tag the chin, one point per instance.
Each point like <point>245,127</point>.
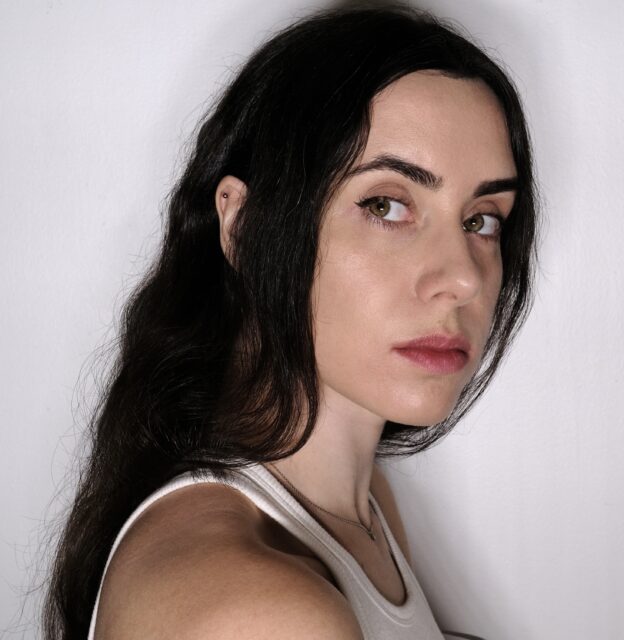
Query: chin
<point>417,423</point>
<point>427,405</point>
<point>421,416</point>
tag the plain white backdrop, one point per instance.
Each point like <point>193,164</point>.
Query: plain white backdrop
<point>516,521</point>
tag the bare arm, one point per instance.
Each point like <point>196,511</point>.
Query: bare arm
<point>213,578</point>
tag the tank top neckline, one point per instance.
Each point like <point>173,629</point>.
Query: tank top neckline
<point>271,484</point>
<point>259,484</point>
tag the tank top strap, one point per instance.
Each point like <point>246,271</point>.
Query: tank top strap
<point>377,616</point>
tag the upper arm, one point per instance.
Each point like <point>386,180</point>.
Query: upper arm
<point>222,584</point>
<point>234,595</point>
<point>274,600</point>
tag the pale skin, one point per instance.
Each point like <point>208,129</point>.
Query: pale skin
<point>204,561</point>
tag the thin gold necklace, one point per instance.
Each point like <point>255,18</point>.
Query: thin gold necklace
<point>355,523</point>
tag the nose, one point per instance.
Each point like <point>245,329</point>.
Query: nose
<point>449,270</point>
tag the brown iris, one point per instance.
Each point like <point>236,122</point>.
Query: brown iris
<point>380,207</point>
<point>475,223</point>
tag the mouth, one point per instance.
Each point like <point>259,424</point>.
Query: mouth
<point>439,354</point>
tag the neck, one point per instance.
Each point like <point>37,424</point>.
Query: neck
<point>334,468</point>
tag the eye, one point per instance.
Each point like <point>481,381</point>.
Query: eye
<point>385,208</point>
<point>488,225</point>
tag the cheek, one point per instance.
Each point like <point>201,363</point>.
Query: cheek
<point>346,294</point>
<point>351,296</point>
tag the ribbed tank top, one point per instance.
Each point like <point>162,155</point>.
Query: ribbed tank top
<point>379,618</point>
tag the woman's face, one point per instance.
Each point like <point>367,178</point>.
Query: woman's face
<point>409,257</point>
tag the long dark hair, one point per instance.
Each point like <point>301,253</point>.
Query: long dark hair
<point>216,366</point>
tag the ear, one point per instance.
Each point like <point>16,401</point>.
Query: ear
<point>229,197</point>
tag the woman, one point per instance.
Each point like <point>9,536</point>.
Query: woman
<point>348,255</point>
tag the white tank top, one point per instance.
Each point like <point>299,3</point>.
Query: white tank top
<point>377,616</point>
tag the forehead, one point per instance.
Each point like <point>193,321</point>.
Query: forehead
<point>447,125</point>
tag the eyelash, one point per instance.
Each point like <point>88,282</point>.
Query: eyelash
<point>392,225</point>
<point>373,219</point>
<point>501,224</point>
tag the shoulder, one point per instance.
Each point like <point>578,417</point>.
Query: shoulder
<point>382,492</point>
<point>195,566</point>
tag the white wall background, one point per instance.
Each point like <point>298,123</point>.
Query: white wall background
<point>517,520</point>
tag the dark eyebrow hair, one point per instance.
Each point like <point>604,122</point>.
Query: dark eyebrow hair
<point>428,179</point>
<point>496,186</point>
<point>408,169</point>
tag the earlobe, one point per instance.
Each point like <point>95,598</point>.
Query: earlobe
<point>229,197</point>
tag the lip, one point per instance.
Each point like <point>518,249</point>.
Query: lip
<point>437,353</point>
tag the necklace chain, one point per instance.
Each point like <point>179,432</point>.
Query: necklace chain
<point>355,523</point>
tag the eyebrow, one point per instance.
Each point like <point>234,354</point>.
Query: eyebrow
<point>410,170</point>
<point>427,179</point>
<point>496,186</point>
